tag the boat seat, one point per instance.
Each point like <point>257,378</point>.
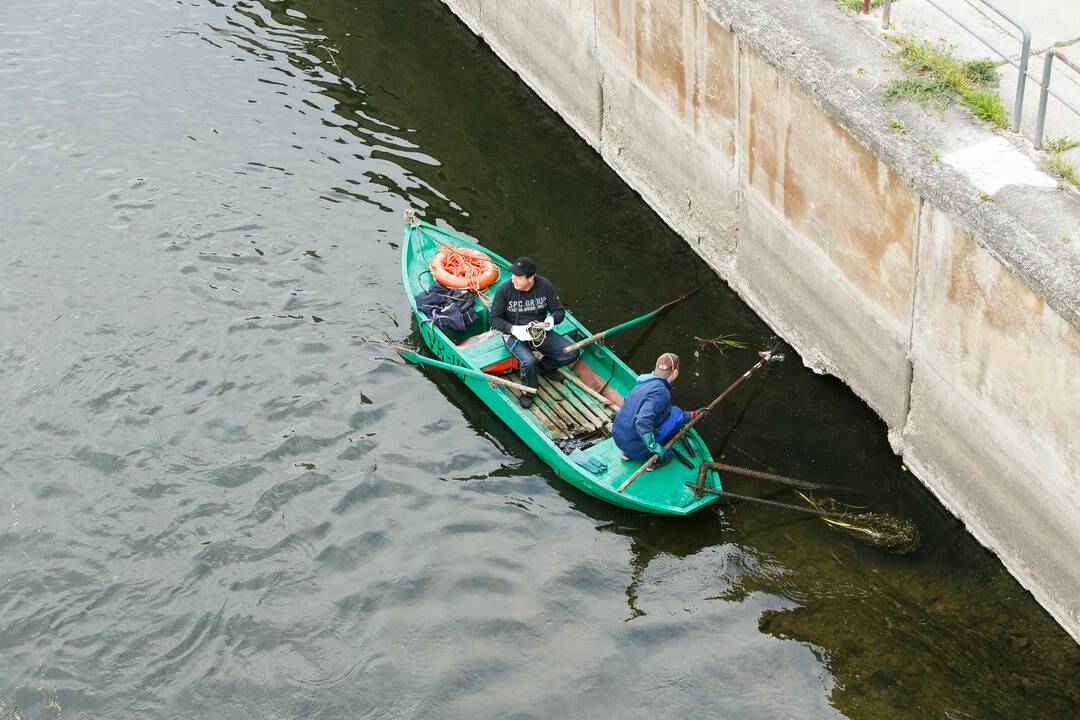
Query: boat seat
<point>484,349</point>
<point>476,339</point>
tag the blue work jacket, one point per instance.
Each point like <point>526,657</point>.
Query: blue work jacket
<point>642,411</point>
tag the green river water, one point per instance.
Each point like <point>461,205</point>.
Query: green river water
<point>218,501</point>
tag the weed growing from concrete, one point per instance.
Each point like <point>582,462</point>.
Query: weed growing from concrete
<point>985,103</point>
<point>925,91</point>
<point>941,78</point>
<point>1055,158</point>
<point>982,72</point>
<point>1060,145</point>
<point>899,127</point>
<point>855,6</point>
<point>1065,169</point>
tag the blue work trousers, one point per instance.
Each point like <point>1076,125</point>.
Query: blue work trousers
<point>551,351</point>
<point>664,432</point>
<point>671,424</point>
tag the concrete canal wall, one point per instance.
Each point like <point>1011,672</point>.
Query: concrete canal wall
<point>954,313</point>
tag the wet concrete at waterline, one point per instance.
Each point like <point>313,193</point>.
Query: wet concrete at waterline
<point>220,501</point>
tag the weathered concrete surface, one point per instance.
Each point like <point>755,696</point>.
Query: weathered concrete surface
<point>758,131</point>
<point>675,143</point>
<point>827,240</point>
<point>994,412</point>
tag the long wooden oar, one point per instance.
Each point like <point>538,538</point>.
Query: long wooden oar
<point>891,533</point>
<point>767,356</point>
<point>467,372</point>
<point>774,503</point>
<point>772,477</point>
<point>619,328</point>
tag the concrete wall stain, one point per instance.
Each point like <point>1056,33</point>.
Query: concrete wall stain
<point>615,30</point>
<point>716,79</point>
<point>661,64</point>
<point>794,199</point>
<point>997,339</point>
<point>763,160</point>
<point>828,180</point>
<point>613,15</point>
<point>697,65</point>
<point>683,56</point>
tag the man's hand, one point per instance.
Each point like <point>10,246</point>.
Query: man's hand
<point>521,332</point>
<point>549,323</point>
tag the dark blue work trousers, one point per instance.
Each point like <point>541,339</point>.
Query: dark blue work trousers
<point>551,350</point>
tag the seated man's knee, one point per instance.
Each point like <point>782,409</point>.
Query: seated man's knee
<point>570,357</point>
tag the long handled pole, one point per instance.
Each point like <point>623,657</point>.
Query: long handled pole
<point>763,501</point>
<point>767,356</point>
<point>773,477</point>
<point>467,372</point>
<point>619,328</point>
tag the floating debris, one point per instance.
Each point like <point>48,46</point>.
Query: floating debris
<point>721,343</point>
<point>891,533</point>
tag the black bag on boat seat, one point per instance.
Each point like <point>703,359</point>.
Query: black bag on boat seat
<point>449,308</point>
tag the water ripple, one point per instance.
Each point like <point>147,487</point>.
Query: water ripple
<point>217,499</point>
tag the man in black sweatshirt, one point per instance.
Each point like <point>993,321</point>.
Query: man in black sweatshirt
<point>528,298</point>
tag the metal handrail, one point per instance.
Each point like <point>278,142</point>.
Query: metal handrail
<point>1025,51</point>
<point>1045,90</point>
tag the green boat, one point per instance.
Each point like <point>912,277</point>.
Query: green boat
<point>578,408</point>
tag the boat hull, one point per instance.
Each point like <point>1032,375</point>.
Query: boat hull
<point>661,492</point>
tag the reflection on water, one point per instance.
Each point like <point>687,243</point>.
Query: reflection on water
<point>217,501</point>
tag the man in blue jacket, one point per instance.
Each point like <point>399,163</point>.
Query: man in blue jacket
<point>647,419</point>
<point>527,298</point>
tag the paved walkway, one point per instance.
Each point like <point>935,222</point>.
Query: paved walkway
<point>1053,23</point>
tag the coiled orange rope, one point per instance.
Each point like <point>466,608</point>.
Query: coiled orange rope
<point>464,268</point>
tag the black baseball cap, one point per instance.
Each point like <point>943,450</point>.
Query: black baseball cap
<point>523,266</point>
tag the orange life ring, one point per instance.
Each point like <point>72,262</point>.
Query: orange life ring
<point>463,268</point>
